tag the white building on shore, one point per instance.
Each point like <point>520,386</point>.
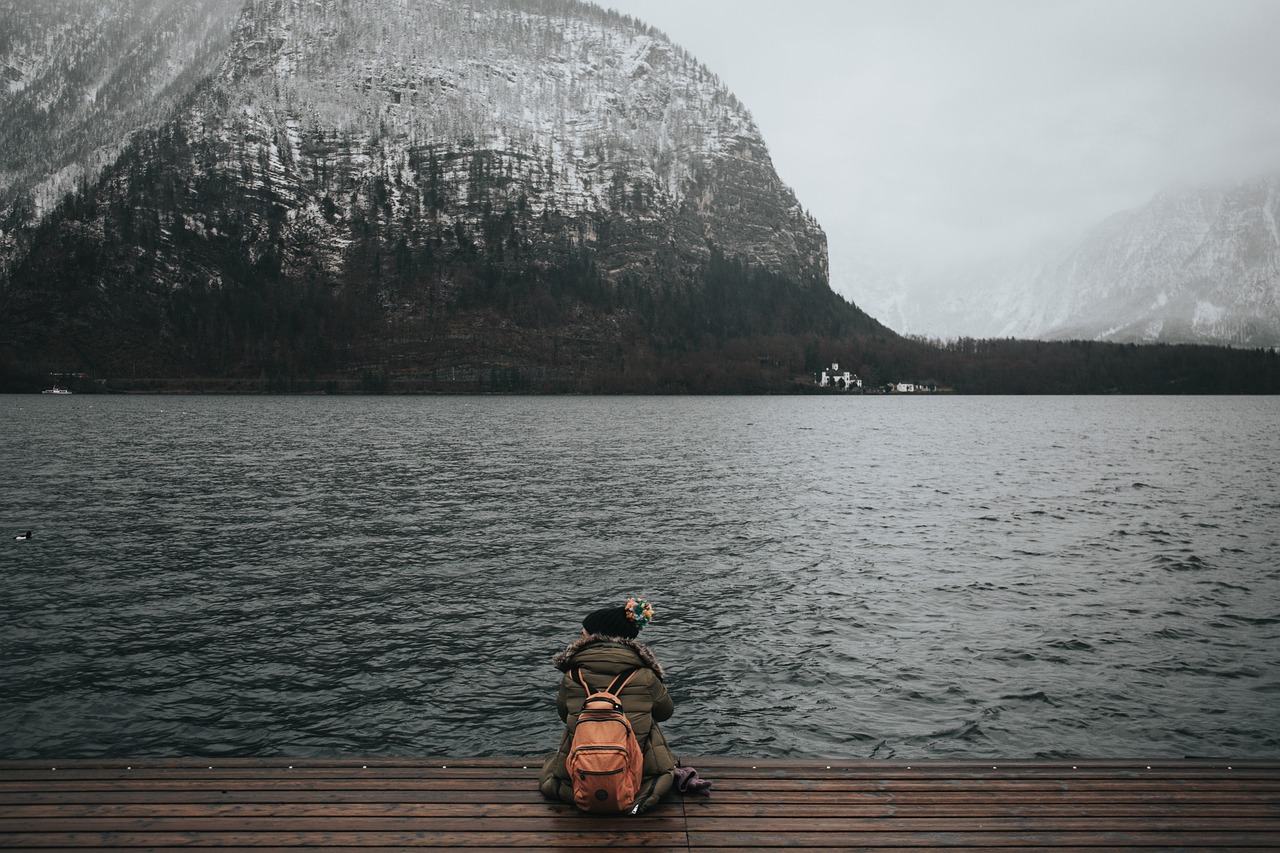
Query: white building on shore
<point>834,377</point>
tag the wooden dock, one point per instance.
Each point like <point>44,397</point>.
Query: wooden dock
<point>493,804</point>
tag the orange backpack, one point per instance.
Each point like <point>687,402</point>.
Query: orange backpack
<point>605,760</point>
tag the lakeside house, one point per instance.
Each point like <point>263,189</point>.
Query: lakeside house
<point>833,377</point>
<point>924,386</point>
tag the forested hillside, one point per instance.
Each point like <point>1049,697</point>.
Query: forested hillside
<point>439,189</point>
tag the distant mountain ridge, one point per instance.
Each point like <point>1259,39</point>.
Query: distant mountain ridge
<point>392,186</point>
<point>1195,265</point>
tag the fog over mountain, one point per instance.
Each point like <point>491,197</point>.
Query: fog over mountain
<point>931,136</point>
<point>1197,264</point>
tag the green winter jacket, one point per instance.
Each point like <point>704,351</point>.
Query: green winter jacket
<point>644,699</point>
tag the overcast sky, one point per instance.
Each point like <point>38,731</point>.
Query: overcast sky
<point>954,128</point>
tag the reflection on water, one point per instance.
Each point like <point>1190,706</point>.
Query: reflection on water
<point>834,576</point>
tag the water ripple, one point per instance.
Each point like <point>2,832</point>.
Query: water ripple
<point>847,577</point>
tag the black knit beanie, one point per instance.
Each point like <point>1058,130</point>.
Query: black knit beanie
<point>611,622</point>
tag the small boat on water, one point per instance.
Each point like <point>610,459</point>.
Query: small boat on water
<point>55,390</point>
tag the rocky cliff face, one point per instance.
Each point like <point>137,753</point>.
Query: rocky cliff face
<point>1195,265</point>
<point>401,178</point>
<point>78,76</point>
<point>543,108</point>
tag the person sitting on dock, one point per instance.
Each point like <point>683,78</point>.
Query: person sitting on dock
<point>606,650</point>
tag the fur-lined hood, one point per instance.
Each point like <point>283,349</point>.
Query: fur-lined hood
<point>564,659</point>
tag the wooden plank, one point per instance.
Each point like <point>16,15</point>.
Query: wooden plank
<point>993,776</point>
<point>683,848</point>
<point>810,777</point>
<point>1004,848</point>
<point>479,786</point>
<point>1021,825</point>
<point>724,768</point>
<point>965,764</point>
<point>1065,795</point>
<point>1237,775</point>
<point>265,848</point>
<point>763,789</point>
<point>568,824</point>
<point>446,840</point>
<point>304,774</point>
<point>269,762</point>
<point>723,765</point>
<point>518,795</point>
<point>1066,769</point>
<point>983,810</point>
<point>343,808</point>
<point>887,838</point>
<point>238,809</point>
<point>1003,785</point>
<point>719,799</point>
<point>1010,848</point>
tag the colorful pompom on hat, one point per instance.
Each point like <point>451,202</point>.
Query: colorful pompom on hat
<point>625,621</point>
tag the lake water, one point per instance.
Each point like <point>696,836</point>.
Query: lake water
<point>856,577</point>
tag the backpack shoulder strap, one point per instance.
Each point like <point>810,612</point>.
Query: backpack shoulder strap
<point>615,687</point>
<point>620,681</point>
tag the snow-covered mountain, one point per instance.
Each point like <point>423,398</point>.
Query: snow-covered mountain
<point>558,106</point>
<point>1195,265</point>
<point>385,170</point>
<point>78,76</point>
